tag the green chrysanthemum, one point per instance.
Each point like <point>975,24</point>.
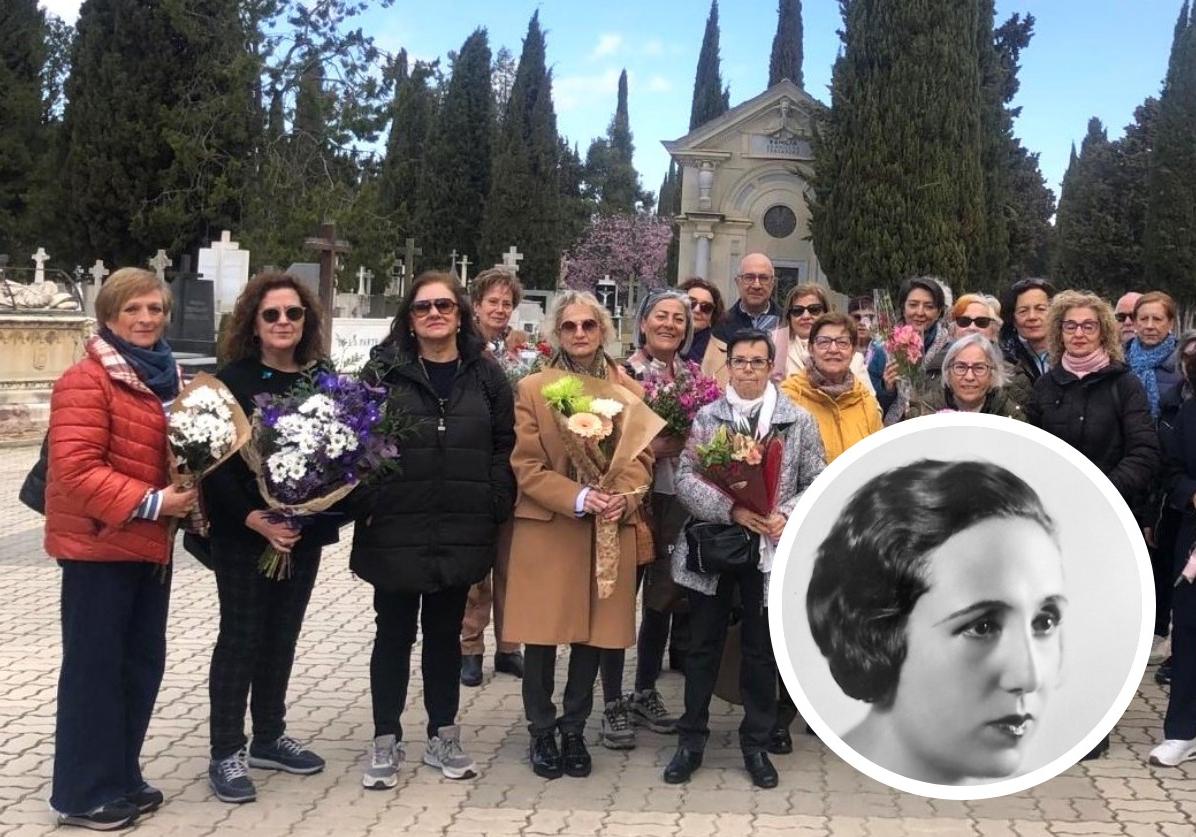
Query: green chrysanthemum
<point>564,394</point>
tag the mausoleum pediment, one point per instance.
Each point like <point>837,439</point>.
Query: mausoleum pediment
<point>777,124</point>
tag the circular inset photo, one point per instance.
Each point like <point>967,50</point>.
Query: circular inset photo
<point>961,606</point>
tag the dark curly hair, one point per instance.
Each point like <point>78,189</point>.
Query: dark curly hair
<point>872,568</point>
<point>402,336</point>
<point>239,341</point>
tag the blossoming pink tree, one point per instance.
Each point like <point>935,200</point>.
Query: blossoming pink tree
<point>625,247</point>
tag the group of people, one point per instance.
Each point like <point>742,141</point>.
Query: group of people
<point>488,511</point>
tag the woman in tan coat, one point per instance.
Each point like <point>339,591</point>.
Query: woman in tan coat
<point>551,596</point>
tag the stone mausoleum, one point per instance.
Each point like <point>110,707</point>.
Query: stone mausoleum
<point>744,182</point>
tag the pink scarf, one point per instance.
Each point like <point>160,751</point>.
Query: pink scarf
<point>1081,366</point>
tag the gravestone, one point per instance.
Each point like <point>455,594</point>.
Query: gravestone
<point>382,307</point>
<point>192,326</point>
<point>353,337</point>
<point>308,275</point>
<point>226,265</point>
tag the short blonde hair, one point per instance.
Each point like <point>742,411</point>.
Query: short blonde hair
<point>566,298</point>
<point>125,284</point>
<point>987,301</point>
<point>1063,302</point>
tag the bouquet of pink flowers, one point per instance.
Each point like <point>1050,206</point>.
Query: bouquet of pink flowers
<point>904,345</point>
<point>678,401</point>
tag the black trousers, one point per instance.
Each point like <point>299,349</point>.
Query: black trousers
<point>539,665</point>
<point>1180,720</point>
<point>708,618</point>
<point>260,620</point>
<point>113,657</point>
<point>650,644</point>
<point>439,615</point>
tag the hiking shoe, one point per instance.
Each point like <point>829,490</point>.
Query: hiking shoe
<point>229,778</point>
<point>120,813</point>
<point>617,731</point>
<point>386,754</point>
<point>147,799</point>
<point>444,752</point>
<point>284,754</point>
<point>1173,752</point>
<point>647,708</point>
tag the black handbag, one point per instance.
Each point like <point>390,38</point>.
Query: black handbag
<point>33,490</point>
<point>719,547</point>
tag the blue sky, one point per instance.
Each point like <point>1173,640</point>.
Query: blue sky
<point>1088,58</point>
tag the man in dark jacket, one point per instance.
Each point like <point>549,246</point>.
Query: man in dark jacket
<point>755,309</point>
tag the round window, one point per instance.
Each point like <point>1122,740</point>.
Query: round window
<point>780,222</point>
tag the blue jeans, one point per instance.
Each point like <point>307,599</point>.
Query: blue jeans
<point>113,656</point>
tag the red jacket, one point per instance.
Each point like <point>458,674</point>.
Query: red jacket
<point>107,450</point>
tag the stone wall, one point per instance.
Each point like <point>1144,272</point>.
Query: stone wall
<point>35,349</point>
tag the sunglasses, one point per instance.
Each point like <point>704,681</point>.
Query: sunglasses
<point>1122,317</point>
<point>799,310</point>
<point>443,305</point>
<point>982,322</point>
<point>294,313</point>
<point>702,307</point>
<point>588,326</point>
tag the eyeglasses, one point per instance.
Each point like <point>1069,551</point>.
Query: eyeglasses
<point>444,306</point>
<point>755,278</point>
<point>294,313</point>
<point>799,310</point>
<point>979,370</point>
<point>1122,316</point>
<point>588,326</point>
<point>702,307</point>
<point>1088,327</point>
<point>982,322</point>
<point>753,363</point>
<point>825,343</point>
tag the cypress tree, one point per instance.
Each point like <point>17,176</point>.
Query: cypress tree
<point>1170,247</point>
<point>786,57</point>
<point>456,175</point>
<point>988,263</point>
<point>898,185</point>
<point>22,134</point>
<point>711,99</point>
<point>523,206</point>
<point>669,206</point>
<point>412,113</point>
<point>610,171</point>
<point>576,206</point>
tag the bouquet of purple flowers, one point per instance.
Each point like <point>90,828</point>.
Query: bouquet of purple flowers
<point>678,401</point>
<point>312,446</point>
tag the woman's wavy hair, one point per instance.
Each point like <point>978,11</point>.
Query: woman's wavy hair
<point>240,342</point>
<point>1009,302</point>
<point>934,286</point>
<point>872,568</point>
<point>805,290</point>
<point>720,307</point>
<point>1064,301</point>
<point>648,305</point>
<point>557,315</point>
<point>999,376</point>
<point>496,277</point>
<point>402,335</point>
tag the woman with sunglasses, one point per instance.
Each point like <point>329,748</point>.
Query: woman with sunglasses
<point>431,529</point>
<point>1091,400</point>
<point>804,305</point>
<point>551,596</point>
<point>706,302</point>
<point>274,339</point>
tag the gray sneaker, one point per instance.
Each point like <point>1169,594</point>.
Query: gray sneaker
<point>647,708</point>
<point>229,778</point>
<point>386,754</point>
<point>444,752</point>
<point>617,731</point>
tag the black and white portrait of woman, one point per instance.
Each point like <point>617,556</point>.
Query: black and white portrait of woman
<point>962,606</point>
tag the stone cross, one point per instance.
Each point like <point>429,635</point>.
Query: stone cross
<point>365,281</point>
<point>453,261</point>
<point>98,272</point>
<point>329,247</point>
<point>398,272</point>
<point>160,262</point>
<point>410,252</point>
<point>40,258</point>
<point>512,258</point>
<point>464,265</point>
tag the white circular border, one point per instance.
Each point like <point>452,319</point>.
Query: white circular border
<point>776,595</point>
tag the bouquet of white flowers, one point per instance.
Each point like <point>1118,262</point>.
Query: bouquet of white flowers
<point>206,426</point>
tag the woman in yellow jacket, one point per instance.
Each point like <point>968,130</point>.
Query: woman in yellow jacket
<point>845,409</point>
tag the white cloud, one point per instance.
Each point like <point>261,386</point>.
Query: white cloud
<point>653,47</point>
<point>570,92</point>
<point>608,44</point>
<point>659,84</point>
<point>68,10</point>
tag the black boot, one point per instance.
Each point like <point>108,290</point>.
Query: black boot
<point>509,662</point>
<point>575,758</point>
<point>780,742</point>
<point>544,756</point>
<point>471,669</point>
<point>683,764</point>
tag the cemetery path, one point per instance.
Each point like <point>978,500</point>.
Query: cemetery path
<point>329,700</point>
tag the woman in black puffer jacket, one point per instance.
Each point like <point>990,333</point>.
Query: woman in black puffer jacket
<point>429,532</point>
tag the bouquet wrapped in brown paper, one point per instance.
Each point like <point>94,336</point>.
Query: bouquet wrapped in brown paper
<point>604,427</point>
<point>205,427</point>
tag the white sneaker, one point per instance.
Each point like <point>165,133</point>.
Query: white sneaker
<point>1173,752</point>
<point>386,754</point>
<point>444,752</point>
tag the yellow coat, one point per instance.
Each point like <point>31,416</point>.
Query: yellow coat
<point>842,421</point>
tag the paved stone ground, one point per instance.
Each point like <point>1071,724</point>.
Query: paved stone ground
<point>329,700</point>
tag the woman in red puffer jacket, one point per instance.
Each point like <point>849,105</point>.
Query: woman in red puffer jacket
<point>108,504</point>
